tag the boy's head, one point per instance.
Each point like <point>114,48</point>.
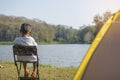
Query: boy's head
<point>25,28</point>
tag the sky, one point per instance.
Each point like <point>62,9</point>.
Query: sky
<point>74,13</point>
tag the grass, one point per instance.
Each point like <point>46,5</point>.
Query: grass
<point>47,72</point>
<point>9,43</point>
<point>6,43</point>
<point>49,42</point>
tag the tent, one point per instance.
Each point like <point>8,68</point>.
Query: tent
<point>102,60</point>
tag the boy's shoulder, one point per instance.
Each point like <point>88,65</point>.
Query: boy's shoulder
<point>31,37</point>
<point>17,38</point>
<point>24,38</point>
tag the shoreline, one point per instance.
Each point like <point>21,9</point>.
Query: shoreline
<point>10,43</point>
<point>39,43</point>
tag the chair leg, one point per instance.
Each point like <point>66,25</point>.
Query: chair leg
<point>38,72</point>
<point>18,69</point>
<point>18,66</point>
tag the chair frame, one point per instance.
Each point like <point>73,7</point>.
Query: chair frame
<point>19,50</point>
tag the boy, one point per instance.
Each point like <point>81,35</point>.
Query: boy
<point>26,40</point>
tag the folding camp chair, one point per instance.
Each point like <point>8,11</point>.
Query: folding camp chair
<point>25,51</point>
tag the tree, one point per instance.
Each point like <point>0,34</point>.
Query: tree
<point>99,20</point>
<point>10,25</point>
<point>88,38</point>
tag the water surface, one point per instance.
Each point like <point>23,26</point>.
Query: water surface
<point>55,55</point>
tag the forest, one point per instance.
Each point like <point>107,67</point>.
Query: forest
<point>49,33</point>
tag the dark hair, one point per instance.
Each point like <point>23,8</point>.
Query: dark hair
<point>25,28</point>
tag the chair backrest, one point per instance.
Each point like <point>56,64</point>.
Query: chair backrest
<point>24,50</point>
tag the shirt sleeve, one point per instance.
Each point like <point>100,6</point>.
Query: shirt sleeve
<point>34,42</point>
<point>18,41</point>
<point>15,42</point>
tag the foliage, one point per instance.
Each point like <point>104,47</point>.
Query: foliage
<point>10,25</point>
<point>48,33</point>
<point>100,20</point>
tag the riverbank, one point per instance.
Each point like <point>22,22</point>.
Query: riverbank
<point>47,72</point>
<point>10,43</point>
<point>6,43</point>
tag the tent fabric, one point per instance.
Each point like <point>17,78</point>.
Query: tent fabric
<point>101,61</point>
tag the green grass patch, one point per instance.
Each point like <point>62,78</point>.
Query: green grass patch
<point>10,43</point>
<point>6,43</point>
<point>47,72</point>
<point>49,42</point>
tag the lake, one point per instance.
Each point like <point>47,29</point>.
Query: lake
<point>61,55</point>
